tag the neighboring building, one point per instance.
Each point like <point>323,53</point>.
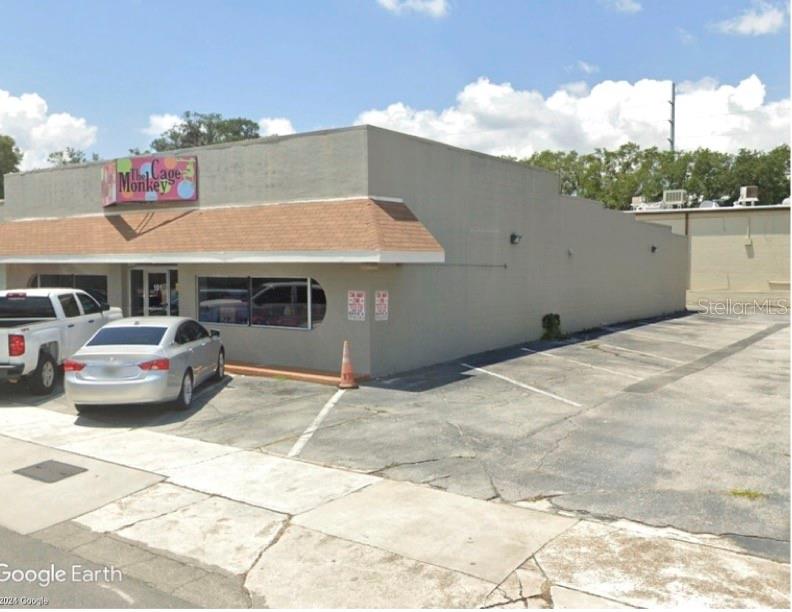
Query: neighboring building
<point>415,251</point>
<point>732,250</point>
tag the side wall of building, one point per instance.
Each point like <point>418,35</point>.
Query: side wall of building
<point>733,250</point>
<point>322,165</point>
<point>575,258</point>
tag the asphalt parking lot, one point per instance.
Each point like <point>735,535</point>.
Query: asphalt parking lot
<point>680,422</point>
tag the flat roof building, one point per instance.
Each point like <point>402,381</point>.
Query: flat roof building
<point>732,250</point>
<point>415,251</point>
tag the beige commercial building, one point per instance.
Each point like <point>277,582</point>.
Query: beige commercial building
<point>732,250</point>
<point>415,251</point>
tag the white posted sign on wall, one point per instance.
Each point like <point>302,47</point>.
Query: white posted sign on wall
<point>356,305</point>
<point>381,305</point>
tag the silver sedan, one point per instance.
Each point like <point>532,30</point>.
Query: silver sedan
<point>144,360</point>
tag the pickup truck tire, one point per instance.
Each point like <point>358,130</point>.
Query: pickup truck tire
<point>42,380</point>
<point>184,400</point>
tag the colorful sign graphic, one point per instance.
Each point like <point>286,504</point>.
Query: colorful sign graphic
<point>150,178</point>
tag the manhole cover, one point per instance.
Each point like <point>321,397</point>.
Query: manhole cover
<point>50,471</point>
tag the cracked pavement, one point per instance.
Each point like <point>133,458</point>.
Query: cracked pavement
<point>673,445</point>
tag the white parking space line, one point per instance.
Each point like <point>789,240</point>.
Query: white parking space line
<point>583,363</point>
<point>629,350</point>
<point>524,386</point>
<point>650,337</point>
<point>311,430</point>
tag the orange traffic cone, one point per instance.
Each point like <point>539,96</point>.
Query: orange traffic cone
<point>347,376</point>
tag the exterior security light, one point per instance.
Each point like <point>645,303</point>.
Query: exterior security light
<point>515,238</point>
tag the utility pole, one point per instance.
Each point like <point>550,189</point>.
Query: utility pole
<point>672,121</point>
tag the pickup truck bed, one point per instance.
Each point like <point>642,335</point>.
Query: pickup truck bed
<point>39,328</point>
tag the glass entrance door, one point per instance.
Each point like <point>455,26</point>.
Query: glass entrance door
<point>153,292</point>
<point>157,294</point>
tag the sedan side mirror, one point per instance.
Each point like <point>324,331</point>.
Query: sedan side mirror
<point>215,333</point>
<point>104,306</point>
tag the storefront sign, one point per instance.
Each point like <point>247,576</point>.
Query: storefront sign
<point>356,305</point>
<point>150,178</point>
<point>381,306</point>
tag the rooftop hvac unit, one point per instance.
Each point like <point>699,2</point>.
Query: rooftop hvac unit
<point>749,196</point>
<point>675,197</point>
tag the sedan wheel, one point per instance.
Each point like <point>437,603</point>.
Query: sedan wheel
<point>186,394</point>
<point>220,370</point>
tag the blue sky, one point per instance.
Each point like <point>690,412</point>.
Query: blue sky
<point>323,63</point>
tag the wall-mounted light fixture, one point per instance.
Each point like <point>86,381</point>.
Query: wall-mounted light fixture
<point>515,238</point>
<point>653,249</point>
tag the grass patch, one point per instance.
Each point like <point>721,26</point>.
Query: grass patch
<point>747,494</point>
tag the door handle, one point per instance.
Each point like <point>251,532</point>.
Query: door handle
<point>91,320</point>
<point>70,325</point>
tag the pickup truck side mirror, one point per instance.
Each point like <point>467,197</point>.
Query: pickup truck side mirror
<point>215,333</point>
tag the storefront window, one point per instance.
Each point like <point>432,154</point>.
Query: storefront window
<point>266,302</point>
<point>137,298</point>
<point>224,300</point>
<point>94,285</point>
<point>280,302</point>
<point>62,281</point>
<point>174,293</point>
<point>318,303</point>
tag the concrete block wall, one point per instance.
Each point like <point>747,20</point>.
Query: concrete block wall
<point>321,165</point>
<point>733,249</point>
<point>490,293</point>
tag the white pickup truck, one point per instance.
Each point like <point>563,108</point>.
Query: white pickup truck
<point>40,328</point>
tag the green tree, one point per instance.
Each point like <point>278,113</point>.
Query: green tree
<point>198,129</point>
<point>10,158</point>
<point>69,157</point>
<point>615,176</point>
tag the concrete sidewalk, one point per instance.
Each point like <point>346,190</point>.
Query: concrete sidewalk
<point>219,526</point>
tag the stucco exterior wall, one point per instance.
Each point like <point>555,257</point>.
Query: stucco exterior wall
<point>733,249</point>
<point>322,165</point>
<point>490,293</point>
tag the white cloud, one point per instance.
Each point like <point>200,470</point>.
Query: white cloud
<point>275,126</point>
<point>433,8</point>
<point>499,119</point>
<point>587,68</point>
<point>685,37</point>
<point>763,18</point>
<point>623,6</point>
<point>38,132</point>
<point>160,123</point>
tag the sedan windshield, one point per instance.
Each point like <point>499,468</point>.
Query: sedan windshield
<point>137,335</point>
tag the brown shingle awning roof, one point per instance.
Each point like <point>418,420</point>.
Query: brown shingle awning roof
<point>355,230</point>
